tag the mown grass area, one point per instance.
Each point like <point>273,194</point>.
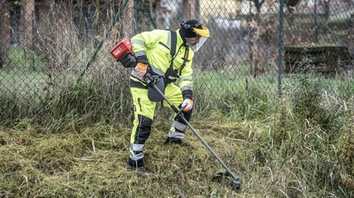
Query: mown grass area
<point>273,160</point>
<point>75,143</point>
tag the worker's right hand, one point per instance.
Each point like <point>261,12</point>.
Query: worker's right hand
<point>187,105</point>
<point>141,70</point>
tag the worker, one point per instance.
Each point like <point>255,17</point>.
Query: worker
<point>165,56</point>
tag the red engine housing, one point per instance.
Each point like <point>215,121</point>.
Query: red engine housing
<point>122,48</point>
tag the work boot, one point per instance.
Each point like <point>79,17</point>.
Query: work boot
<point>136,164</point>
<point>173,140</point>
<point>177,141</point>
<point>138,167</point>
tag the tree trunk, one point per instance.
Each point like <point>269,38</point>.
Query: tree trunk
<point>256,50</point>
<point>5,30</point>
<point>128,26</point>
<point>5,25</point>
<point>27,23</point>
<point>190,9</point>
<point>351,37</point>
<point>97,21</point>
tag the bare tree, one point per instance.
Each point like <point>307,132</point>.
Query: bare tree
<point>258,4</point>
<point>190,9</point>
<point>291,4</point>
<point>27,22</point>
<point>254,24</point>
<point>128,17</point>
<point>5,29</point>
<point>261,33</point>
<point>166,11</point>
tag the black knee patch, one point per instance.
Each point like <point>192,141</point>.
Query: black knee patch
<point>143,129</point>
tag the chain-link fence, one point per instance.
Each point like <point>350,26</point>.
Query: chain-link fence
<point>49,47</point>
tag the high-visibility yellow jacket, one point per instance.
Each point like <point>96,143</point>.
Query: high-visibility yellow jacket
<point>156,45</point>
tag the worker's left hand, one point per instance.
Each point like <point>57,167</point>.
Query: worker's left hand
<point>187,105</point>
<point>128,60</point>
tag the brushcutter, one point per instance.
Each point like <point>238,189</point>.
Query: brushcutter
<point>234,180</point>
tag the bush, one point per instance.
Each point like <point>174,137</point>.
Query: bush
<point>308,106</point>
<point>235,96</point>
<point>25,59</point>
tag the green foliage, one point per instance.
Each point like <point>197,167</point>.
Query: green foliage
<point>90,100</point>
<point>25,59</point>
<point>308,106</point>
<point>15,108</point>
<point>235,96</point>
<point>346,89</point>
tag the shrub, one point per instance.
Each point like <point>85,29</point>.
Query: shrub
<point>25,59</point>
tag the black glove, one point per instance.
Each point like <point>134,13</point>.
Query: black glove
<point>149,78</point>
<point>128,60</point>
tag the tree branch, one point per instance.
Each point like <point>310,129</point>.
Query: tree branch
<point>258,4</point>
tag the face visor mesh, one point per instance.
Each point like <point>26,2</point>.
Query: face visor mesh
<point>199,44</point>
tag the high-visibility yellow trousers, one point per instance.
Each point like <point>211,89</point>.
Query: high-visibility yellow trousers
<point>144,111</point>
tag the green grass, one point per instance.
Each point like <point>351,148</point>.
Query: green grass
<point>236,95</point>
<point>25,60</point>
<point>245,97</point>
<point>23,83</point>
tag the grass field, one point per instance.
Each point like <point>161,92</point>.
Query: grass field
<point>60,137</point>
<point>104,94</point>
<point>90,161</point>
<point>75,143</point>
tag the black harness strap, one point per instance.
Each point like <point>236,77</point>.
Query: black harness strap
<point>171,73</point>
<point>185,60</point>
<point>173,44</point>
<point>173,55</point>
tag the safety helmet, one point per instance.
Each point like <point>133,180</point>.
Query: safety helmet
<point>193,28</point>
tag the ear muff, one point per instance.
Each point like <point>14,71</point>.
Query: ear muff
<point>185,25</point>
